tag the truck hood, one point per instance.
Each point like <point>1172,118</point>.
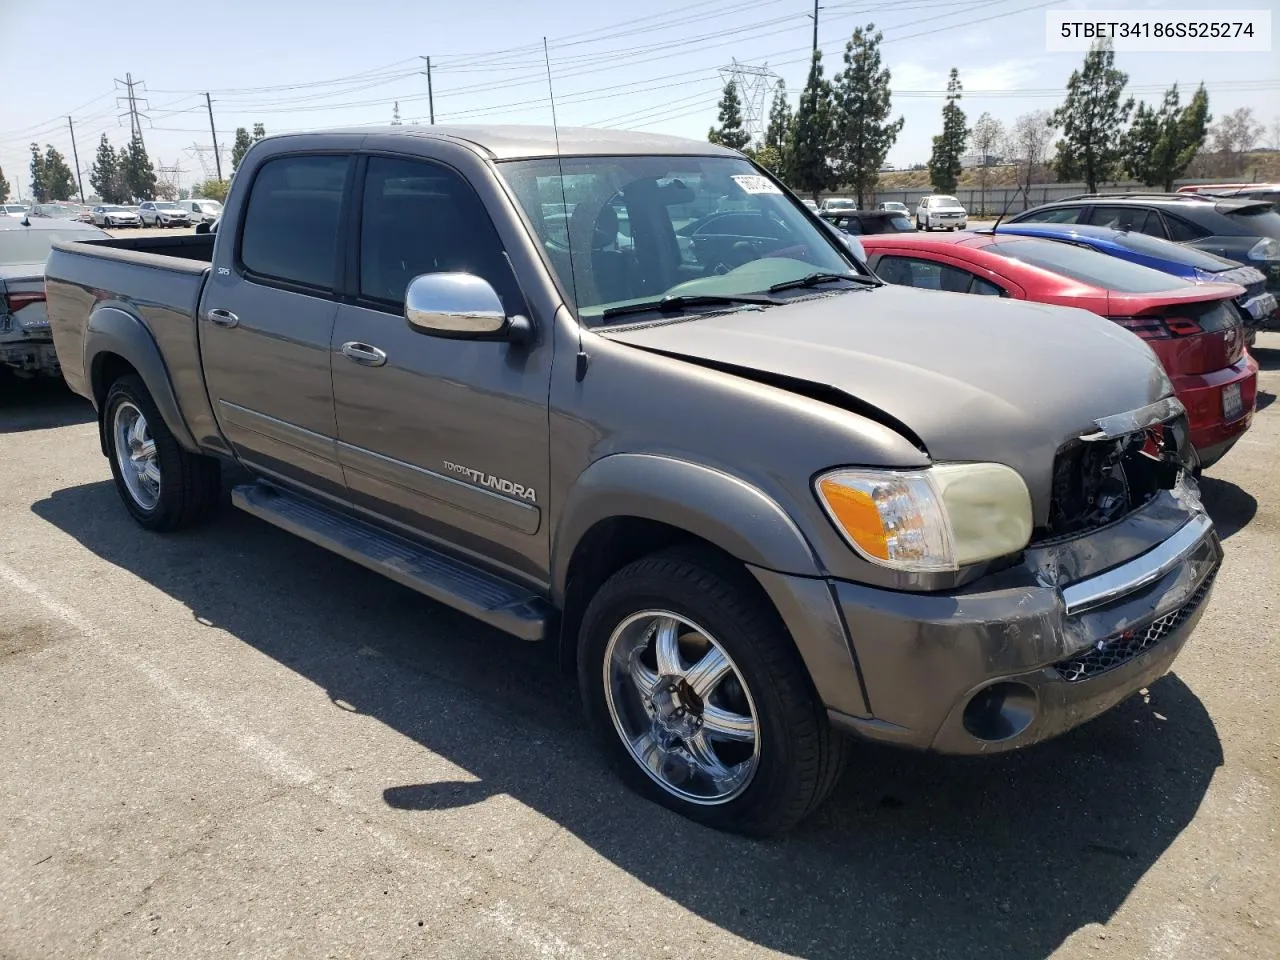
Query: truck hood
<point>967,377</point>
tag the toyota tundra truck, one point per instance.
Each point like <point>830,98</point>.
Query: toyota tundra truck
<point>626,394</point>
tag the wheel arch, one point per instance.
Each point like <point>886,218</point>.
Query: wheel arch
<point>117,343</point>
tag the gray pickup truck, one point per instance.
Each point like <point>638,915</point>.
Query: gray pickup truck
<point>626,394</point>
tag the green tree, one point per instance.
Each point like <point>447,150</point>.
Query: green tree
<point>861,101</point>
<point>58,178</point>
<point>1161,143</point>
<point>780,119</point>
<point>948,146</point>
<point>808,155</point>
<point>4,187</point>
<point>38,189</point>
<point>105,176</point>
<point>211,190</point>
<point>239,148</point>
<point>1092,119</point>
<point>137,174</point>
<point>730,133</point>
<point>985,139</point>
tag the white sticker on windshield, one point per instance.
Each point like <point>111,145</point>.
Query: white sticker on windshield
<point>751,183</point>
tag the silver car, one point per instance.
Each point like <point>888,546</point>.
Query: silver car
<point>163,213</point>
<point>115,215</point>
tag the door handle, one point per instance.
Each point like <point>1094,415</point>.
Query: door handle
<point>222,318</point>
<point>364,353</point>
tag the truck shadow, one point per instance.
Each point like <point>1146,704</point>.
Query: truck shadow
<point>914,856</point>
<point>39,405</point>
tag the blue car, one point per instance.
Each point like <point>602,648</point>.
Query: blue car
<point>1258,305</point>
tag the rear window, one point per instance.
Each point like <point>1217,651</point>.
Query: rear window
<point>1259,221</point>
<point>1173,252</point>
<point>32,246</point>
<point>290,230</point>
<point>1087,266</point>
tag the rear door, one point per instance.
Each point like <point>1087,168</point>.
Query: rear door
<point>267,317</point>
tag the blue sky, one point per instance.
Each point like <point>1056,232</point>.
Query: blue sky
<point>325,63</point>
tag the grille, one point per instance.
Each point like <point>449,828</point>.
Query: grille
<point>1120,648</point>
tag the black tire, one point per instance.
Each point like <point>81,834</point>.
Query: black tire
<point>800,757</point>
<point>190,484</point>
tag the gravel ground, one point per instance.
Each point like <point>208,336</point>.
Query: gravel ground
<point>229,743</point>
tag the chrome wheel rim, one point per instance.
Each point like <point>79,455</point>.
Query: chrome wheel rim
<point>681,707</point>
<point>136,455</point>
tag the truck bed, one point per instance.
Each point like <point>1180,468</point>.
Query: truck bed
<point>157,280</point>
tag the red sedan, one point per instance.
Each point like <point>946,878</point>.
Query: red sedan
<point>1194,329</point>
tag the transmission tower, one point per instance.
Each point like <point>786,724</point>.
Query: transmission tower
<point>754,85</point>
<point>134,105</point>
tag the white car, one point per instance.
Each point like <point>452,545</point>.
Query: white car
<point>202,211</point>
<point>163,213</point>
<point>15,210</point>
<point>894,206</point>
<point>939,212</point>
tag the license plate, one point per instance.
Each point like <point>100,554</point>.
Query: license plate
<point>1232,405</point>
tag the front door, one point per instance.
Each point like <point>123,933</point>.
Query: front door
<point>267,316</point>
<point>446,437</point>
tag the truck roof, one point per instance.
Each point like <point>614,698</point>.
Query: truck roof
<point>503,142</point>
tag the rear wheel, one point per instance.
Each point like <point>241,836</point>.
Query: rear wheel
<point>163,486</point>
<point>699,696</point>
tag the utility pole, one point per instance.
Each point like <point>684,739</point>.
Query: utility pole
<point>217,159</point>
<point>75,155</point>
<point>431,100</point>
<point>814,17</point>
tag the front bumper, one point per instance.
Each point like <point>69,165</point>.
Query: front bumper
<point>987,670</point>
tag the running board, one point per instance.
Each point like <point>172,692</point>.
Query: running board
<point>455,583</point>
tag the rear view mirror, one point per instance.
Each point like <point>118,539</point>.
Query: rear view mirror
<point>461,306</point>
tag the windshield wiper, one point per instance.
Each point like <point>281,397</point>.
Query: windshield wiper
<point>674,304</point>
<point>813,279</point>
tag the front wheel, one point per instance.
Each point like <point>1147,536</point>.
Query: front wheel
<point>163,486</point>
<point>698,694</point>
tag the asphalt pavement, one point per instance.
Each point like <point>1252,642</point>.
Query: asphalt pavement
<point>230,743</point>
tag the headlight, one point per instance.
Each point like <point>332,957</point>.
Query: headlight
<point>938,519</point>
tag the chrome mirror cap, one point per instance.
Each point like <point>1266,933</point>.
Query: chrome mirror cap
<point>454,304</point>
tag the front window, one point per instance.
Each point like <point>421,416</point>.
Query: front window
<point>626,230</point>
<point>1087,266</point>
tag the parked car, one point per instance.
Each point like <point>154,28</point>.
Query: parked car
<point>201,211</point>
<point>26,345</point>
<point>15,210</point>
<point>754,494</point>
<point>858,222</point>
<point>1194,329</point>
<point>163,213</point>
<point>115,215</point>
<point>1257,305</point>
<point>1246,231</point>
<point>833,204</point>
<point>893,206</point>
<point>940,212</point>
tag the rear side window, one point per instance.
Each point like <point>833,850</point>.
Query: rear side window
<point>418,217</point>
<point>291,221</point>
<point>1055,215</point>
<point>1087,266</point>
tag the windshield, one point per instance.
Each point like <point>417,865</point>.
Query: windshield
<point>1088,266</point>
<point>1260,221</point>
<point>633,229</point>
<point>1174,252</point>
<point>32,246</point>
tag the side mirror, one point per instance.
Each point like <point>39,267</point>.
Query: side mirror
<point>461,306</point>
